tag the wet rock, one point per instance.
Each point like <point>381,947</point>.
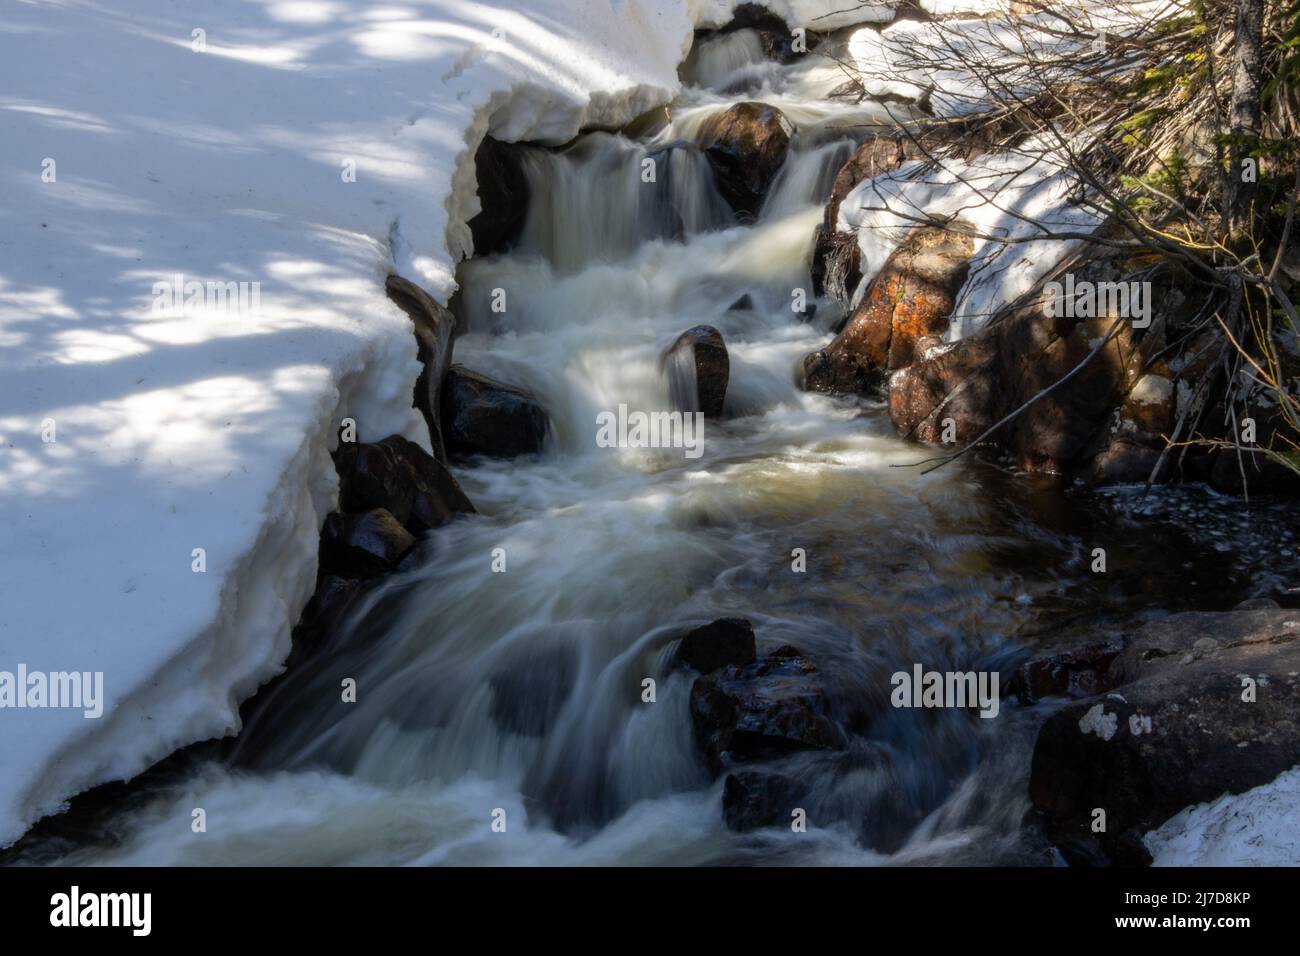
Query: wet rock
<point>755,799</point>
<point>746,146</point>
<point>910,299</point>
<point>744,304</point>
<point>1257,604</point>
<point>773,32</point>
<point>482,416</point>
<point>363,545</point>
<point>836,264</point>
<point>986,376</point>
<point>1127,461</point>
<point>729,640</point>
<point>398,475</point>
<point>1176,731</point>
<point>434,329</point>
<point>703,349</point>
<point>835,260</point>
<point>335,596</point>
<point>770,707</point>
<point>1080,671</point>
<point>503,195</point>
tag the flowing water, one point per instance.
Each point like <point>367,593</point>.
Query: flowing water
<point>482,691</point>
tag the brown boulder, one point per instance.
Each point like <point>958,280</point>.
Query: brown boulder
<point>773,706</point>
<point>363,545</point>
<point>909,300</point>
<point>698,369</point>
<point>481,416</point>
<point>835,269</point>
<point>746,146</point>
<point>1078,671</point>
<point>400,476</point>
<point>984,377</point>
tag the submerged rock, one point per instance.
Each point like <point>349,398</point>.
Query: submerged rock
<point>1204,704</point>
<point>911,298</point>
<point>729,640</point>
<point>746,146</point>
<point>701,355</point>
<point>482,416</point>
<point>752,799</point>
<point>400,476</point>
<point>363,545</point>
<point>770,707</point>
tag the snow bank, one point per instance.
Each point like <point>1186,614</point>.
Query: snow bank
<point>1015,202</point>
<point>305,148</point>
<point>1260,827</point>
<point>911,59</point>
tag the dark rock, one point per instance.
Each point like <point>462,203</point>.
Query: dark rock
<point>743,304</point>
<point>434,328</point>
<point>503,196</point>
<point>773,32</point>
<point>835,254</point>
<point>400,476</point>
<point>482,416</point>
<point>759,710</point>
<point>729,640</point>
<point>754,799</point>
<point>362,545</point>
<point>334,598</point>
<point>746,146</point>
<point>712,368</point>
<point>912,297</point>
<point>1080,671</point>
<point>986,376</point>
<point>1175,732</point>
<point>1257,604</point>
<point>1263,474</point>
<point>1126,461</point>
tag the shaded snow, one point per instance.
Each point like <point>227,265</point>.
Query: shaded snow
<point>1013,201</point>
<point>1260,827</point>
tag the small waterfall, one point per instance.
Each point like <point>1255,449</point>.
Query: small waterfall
<point>683,384</point>
<point>603,196</point>
<point>715,62</point>
<point>806,179</point>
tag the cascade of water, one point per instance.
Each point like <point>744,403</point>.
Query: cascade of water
<point>522,689</point>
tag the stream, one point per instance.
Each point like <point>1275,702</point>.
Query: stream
<point>517,695</point>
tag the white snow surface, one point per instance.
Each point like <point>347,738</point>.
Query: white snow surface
<point>1015,202</point>
<point>144,139</point>
<point>1260,827</point>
